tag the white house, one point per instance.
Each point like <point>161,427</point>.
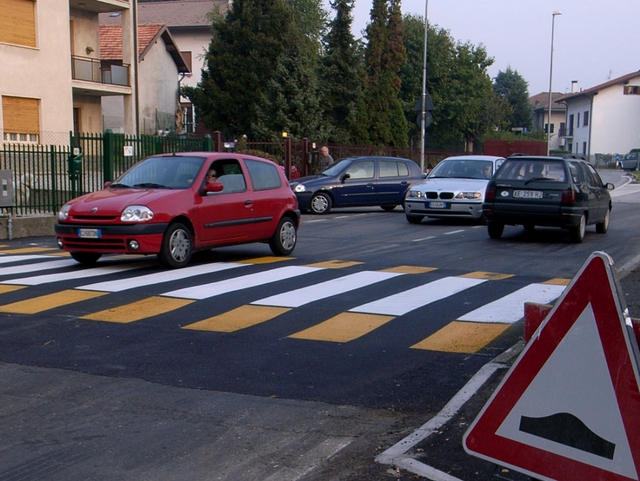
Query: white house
<point>189,23</point>
<point>604,119</point>
<point>159,66</point>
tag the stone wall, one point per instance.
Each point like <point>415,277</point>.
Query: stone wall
<point>12,227</point>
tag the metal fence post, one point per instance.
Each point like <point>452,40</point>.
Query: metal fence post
<point>304,165</point>
<point>218,141</point>
<point>287,157</point>
<point>108,155</point>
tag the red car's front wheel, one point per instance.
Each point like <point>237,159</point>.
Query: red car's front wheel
<point>177,246</point>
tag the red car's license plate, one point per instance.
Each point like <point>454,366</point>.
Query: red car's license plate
<point>89,233</point>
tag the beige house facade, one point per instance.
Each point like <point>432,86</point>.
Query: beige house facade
<point>56,80</point>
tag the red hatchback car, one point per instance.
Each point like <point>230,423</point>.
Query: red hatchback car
<point>167,205</point>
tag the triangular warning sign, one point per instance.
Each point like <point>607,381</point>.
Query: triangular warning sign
<point>569,408</point>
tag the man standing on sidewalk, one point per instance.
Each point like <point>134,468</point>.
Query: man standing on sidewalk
<point>325,159</point>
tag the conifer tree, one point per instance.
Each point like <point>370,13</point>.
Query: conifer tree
<point>245,47</point>
<point>341,76</point>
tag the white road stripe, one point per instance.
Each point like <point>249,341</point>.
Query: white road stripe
<point>230,285</point>
<point>316,292</point>
<point>406,301</point>
<point>159,277</point>
<point>7,258</point>
<point>510,308</point>
<point>79,274</point>
<point>40,266</point>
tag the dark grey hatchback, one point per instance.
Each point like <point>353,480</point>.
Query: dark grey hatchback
<point>564,192</point>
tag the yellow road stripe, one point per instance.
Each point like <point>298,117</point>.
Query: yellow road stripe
<point>335,264</point>
<point>558,281</point>
<point>266,260</point>
<point>490,276</point>
<point>4,288</point>
<point>344,327</point>
<point>239,318</point>
<point>29,250</point>
<point>50,301</point>
<point>410,269</point>
<point>152,306</point>
<point>462,337</point>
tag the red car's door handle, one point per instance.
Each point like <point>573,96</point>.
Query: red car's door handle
<point>248,202</point>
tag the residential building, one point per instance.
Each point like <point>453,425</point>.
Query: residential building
<point>189,22</point>
<point>159,66</point>
<point>540,105</point>
<point>604,119</point>
<point>53,77</point>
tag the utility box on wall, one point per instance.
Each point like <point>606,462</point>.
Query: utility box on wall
<point>6,188</point>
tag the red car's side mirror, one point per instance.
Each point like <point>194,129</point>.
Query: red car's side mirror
<point>213,187</point>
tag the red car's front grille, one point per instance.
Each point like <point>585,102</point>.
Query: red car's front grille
<point>98,244</point>
<point>95,218</point>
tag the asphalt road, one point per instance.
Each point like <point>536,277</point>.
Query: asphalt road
<point>148,399</point>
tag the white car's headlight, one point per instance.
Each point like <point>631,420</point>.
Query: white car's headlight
<point>468,195</point>
<point>415,194</point>
<point>64,212</point>
<point>299,188</point>
<point>136,213</point>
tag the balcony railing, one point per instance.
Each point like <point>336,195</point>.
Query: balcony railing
<point>565,132</point>
<point>100,71</point>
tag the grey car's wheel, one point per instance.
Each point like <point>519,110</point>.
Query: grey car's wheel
<point>414,219</point>
<point>86,258</point>
<point>495,230</point>
<point>321,203</point>
<point>603,227</point>
<point>576,234</point>
<point>177,247</point>
<point>285,237</point>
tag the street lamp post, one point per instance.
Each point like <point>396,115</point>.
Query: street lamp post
<point>553,23</point>
<point>423,112</point>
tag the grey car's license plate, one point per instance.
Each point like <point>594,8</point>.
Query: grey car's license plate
<point>89,233</point>
<point>438,205</point>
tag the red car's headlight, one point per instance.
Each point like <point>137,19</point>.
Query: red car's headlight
<point>136,213</point>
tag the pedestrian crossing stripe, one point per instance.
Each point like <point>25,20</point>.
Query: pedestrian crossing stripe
<point>462,337</point>
<point>344,327</point>
<point>49,301</point>
<point>4,289</point>
<point>410,269</point>
<point>30,250</point>
<point>136,311</point>
<point>489,276</point>
<point>237,319</point>
<point>266,260</point>
<point>335,264</point>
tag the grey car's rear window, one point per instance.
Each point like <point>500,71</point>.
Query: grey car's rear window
<point>532,170</point>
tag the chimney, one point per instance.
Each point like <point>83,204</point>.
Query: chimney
<point>574,86</point>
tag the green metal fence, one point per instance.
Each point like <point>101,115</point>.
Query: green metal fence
<point>46,176</point>
<point>40,179</point>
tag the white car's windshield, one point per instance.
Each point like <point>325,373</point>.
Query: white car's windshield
<point>463,169</point>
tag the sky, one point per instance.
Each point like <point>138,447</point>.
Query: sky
<point>594,41</point>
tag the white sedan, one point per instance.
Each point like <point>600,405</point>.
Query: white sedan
<point>454,188</point>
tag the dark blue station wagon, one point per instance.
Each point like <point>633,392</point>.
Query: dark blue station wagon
<point>357,182</point>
